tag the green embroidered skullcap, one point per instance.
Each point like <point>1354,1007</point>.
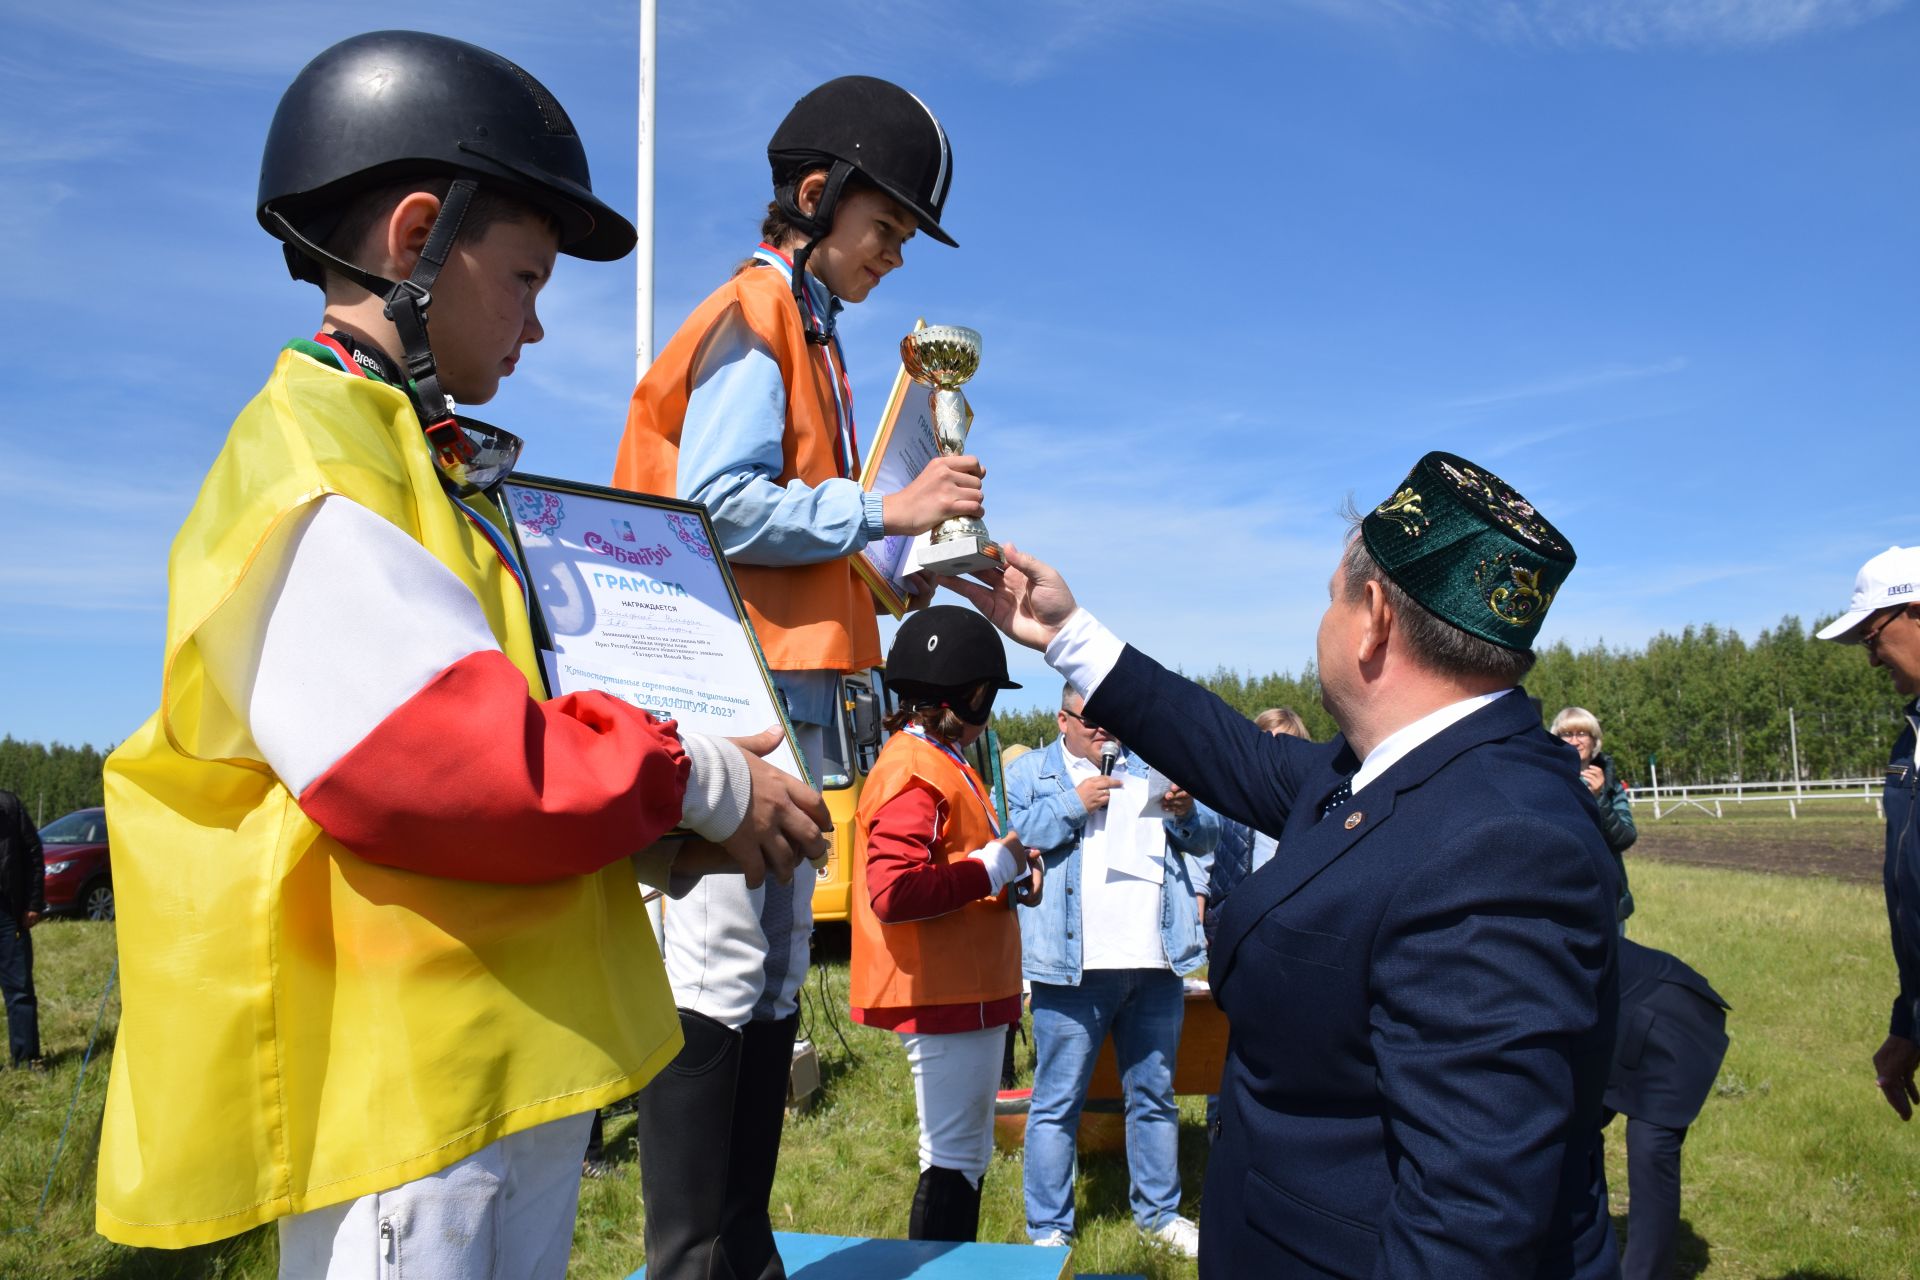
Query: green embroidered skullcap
<point>1461,542</point>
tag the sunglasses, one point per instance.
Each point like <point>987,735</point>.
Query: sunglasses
<point>1871,639</point>
<point>1092,724</point>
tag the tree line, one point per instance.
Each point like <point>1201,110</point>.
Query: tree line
<point>1710,706</point>
<point>50,780</point>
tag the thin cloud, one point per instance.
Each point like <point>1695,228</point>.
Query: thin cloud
<point>1627,25</point>
<point>1563,384</point>
<point>241,38</point>
<point>117,580</point>
<point>1531,439</point>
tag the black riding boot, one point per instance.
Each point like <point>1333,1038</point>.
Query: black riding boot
<point>945,1207</point>
<point>684,1125</point>
<point>759,1116</point>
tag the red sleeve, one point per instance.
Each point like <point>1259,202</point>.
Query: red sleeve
<point>903,881</point>
<point>473,779</point>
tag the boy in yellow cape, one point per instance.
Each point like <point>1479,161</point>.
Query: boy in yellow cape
<point>381,947</point>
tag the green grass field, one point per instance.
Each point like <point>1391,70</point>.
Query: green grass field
<point>1796,1169</point>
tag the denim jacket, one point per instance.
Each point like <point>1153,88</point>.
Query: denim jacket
<point>1044,807</point>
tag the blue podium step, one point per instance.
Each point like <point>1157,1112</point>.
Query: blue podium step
<point>811,1257</point>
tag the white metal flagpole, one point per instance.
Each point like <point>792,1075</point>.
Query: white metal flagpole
<point>643,273</point>
<point>643,203</point>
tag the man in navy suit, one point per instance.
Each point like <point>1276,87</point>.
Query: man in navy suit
<point>1673,1037</point>
<point>1422,982</point>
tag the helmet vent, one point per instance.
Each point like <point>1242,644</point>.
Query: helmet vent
<point>552,114</point>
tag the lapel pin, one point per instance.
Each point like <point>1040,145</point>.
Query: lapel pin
<point>1355,818</point>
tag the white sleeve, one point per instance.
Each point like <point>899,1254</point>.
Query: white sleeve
<point>1002,867</point>
<point>718,787</point>
<point>339,621</point>
<point>1084,652</point>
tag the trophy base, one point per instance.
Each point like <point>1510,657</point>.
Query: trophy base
<point>961,555</point>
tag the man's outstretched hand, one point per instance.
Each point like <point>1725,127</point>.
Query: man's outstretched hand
<point>1029,601</point>
<point>786,821</point>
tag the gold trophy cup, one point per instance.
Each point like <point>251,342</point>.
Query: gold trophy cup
<point>942,357</point>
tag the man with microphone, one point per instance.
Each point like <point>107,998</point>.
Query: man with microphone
<point>1106,951</point>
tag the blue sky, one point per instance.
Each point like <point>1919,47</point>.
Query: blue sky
<point>1653,261</point>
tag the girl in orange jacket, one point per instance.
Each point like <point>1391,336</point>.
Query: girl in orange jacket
<point>936,949</point>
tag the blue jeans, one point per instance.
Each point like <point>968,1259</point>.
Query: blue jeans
<point>16,981</point>
<point>1143,1008</point>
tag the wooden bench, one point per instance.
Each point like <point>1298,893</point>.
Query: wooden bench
<point>1103,1120</point>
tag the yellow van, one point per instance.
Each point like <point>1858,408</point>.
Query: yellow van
<point>850,754</point>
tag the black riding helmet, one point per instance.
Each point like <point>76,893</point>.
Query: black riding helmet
<point>864,125</point>
<point>392,105</point>
<point>945,651</point>
<point>397,104</point>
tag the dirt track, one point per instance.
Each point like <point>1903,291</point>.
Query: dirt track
<point>1844,851</point>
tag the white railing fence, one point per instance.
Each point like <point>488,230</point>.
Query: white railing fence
<point>1713,798</point>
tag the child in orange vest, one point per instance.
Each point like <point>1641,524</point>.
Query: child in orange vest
<point>936,949</point>
<point>749,411</point>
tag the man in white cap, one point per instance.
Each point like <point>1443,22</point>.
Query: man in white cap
<point>1884,617</point>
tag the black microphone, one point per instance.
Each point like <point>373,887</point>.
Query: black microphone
<point>1109,752</point>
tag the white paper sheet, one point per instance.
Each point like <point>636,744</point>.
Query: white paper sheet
<point>1136,842</point>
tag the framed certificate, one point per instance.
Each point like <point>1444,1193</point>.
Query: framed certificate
<point>632,598</point>
<point>902,447</point>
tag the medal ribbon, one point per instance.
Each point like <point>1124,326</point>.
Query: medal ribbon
<point>846,446</point>
<point>967,774</point>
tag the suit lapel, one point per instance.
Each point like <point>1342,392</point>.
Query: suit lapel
<point>1309,845</point>
<point>1263,889</point>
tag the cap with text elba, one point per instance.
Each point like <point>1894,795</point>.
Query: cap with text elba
<point>1470,550</point>
<point>1890,578</point>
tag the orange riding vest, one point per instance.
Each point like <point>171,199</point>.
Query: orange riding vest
<point>967,956</point>
<point>810,617</point>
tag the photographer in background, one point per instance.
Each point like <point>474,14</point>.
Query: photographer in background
<point>1579,728</point>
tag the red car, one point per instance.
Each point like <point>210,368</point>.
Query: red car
<point>79,882</point>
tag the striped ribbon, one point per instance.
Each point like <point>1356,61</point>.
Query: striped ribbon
<point>966,773</point>
<point>846,446</point>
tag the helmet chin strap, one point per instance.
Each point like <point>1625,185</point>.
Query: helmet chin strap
<point>406,301</point>
<point>471,457</point>
<point>816,225</point>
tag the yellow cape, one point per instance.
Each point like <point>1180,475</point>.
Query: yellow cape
<point>302,1027</point>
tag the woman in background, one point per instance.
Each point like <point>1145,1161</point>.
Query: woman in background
<point>1579,728</point>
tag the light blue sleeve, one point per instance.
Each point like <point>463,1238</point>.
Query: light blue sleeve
<point>731,460</point>
<point>1195,837</point>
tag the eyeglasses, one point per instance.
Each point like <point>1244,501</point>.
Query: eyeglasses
<point>1871,639</point>
<point>1092,725</point>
